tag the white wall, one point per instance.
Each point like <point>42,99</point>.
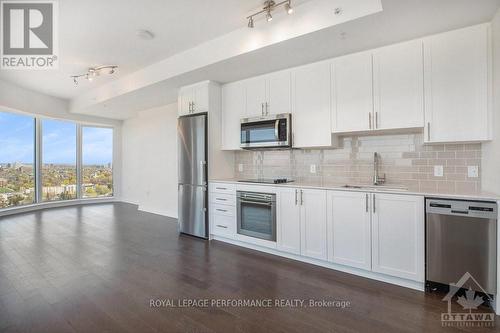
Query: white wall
<point>150,160</point>
<point>491,150</point>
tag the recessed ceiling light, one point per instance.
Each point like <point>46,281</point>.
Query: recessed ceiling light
<point>145,34</point>
<point>337,11</point>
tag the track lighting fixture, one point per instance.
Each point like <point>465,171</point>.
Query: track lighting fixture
<point>94,72</point>
<point>269,6</point>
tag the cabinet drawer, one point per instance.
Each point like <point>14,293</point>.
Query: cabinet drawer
<point>223,225</point>
<point>223,188</point>
<point>223,199</point>
<point>223,210</point>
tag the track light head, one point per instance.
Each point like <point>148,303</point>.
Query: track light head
<point>288,8</point>
<point>269,17</point>
<point>250,23</point>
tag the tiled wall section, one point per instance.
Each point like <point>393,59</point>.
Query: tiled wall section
<point>404,159</point>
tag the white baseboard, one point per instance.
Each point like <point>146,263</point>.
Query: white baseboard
<point>157,211</point>
<point>355,271</point>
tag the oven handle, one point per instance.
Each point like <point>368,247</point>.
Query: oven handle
<point>276,129</point>
<point>257,202</point>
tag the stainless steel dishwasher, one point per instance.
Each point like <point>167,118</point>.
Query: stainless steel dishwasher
<point>461,236</point>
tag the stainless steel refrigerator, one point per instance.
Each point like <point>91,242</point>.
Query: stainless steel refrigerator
<point>193,170</point>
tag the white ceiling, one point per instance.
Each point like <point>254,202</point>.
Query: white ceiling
<point>95,32</point>
<point>188,23</point>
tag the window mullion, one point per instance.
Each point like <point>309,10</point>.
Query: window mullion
<point>38,160</point>
<point>79,161</point>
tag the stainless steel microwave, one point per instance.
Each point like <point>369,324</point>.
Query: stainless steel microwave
<point>273,131</point>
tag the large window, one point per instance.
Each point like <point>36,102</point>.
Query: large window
<point>17,156</point>
<point>59,160</point>
<point>44,160</point>
<point>97,159</point>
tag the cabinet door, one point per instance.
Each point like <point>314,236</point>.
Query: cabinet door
<point>311,119</point>
<point>255,96</point>
<point>279,92</point>
<point>398,79</point>
<point>352,92</point>
<point>288,224</point>
<point>186,97</point>
<point>349,235</point>
<point>398,236</point>
<point>201,98</point>
<point>233,109</point>
<point>456,86</point>
<point>313,224</point>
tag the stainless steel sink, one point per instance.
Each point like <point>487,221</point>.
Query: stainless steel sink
<point>376,187</point>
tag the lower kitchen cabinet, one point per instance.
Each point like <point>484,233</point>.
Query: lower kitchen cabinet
<point>313,224</point>
<point>398,236</point>
<point>349,229</point>
<point>288,224</point>
<point>302,222</point>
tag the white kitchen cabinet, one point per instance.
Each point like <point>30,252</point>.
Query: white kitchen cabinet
<point>456,67</point>
<point>233,109</point>
<point>311,107</point>
<point>255,96</point>
<point>352,93</point>
<point>349,230</point>
<point>313,224</point>
<point>398,236</point>
<point>288,216</point>
<point>398,83</point>
<point>279,94</point>
<point>302,222</point>
<point>194,98</point>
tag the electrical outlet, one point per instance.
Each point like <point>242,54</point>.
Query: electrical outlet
<point>438,171</point>
<point>312,168</point>
<point>472,171</point>
<point>240,167</point>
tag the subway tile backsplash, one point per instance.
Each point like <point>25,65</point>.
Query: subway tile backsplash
<point>405,160</point>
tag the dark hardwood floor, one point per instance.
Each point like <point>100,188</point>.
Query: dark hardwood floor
<point>96,268</point>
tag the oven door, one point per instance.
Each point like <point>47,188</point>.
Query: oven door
<point>266,132</point>
<point>257,215</point>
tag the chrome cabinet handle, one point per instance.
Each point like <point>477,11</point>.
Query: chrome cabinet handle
<point>296,198</point>
<point>267,108</point>
<point>428,131</point>
<point>262,108</point>
<point>221,210</point>
<point>376,120</point>
<point>220,199</point>
<point>192,105</point>
<point>301,197</point>
<point>374,203</point>
<point>221,188</point>
<point>369,120</point>
<point>222,226</point>
<point>366,203</point>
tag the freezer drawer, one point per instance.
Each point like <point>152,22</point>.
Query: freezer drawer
<point>193,216</point>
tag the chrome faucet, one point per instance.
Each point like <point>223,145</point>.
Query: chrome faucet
<point>377,180</point>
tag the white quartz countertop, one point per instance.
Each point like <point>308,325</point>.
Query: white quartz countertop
<point>389,188</point>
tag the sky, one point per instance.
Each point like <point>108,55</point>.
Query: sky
<point>59,141</point>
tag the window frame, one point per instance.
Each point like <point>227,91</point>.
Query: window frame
<point>38,159</point>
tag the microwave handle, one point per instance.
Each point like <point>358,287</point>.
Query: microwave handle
<point>276,129</point>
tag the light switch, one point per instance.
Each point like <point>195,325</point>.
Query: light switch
<point>472,171</point>
<point>438,171</point>
<point>313,168</point>
<point>240,167</point>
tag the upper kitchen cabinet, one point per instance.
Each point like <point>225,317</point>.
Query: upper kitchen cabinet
<point>352,93</point>
<point>311,107</point>
<point>255,89</point>
<point>233,109</point>
<point>456,66</point>
<point>398,84</point>
<point>194,98</point>
<point>268,94</point>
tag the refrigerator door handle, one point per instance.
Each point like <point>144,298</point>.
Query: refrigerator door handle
<point>203,172</point>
